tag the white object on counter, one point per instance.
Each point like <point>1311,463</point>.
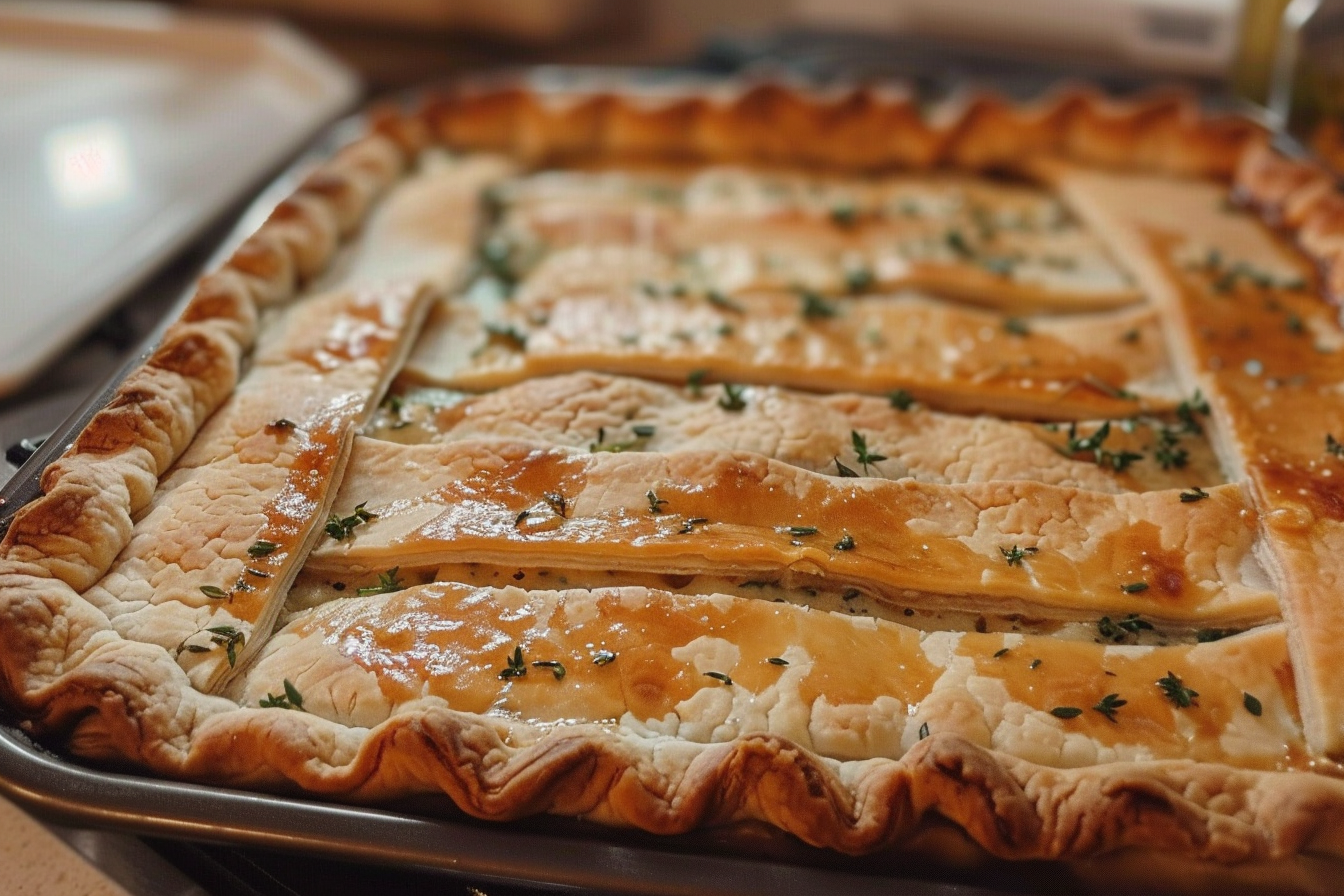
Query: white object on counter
<point>125,130</point>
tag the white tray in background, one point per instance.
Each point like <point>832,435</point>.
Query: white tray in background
<point>125,129</point>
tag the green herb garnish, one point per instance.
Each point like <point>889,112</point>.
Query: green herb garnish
<point>843,471</point>
<point>1066,712</point>
<point>1195,494</point>
<point>719,676</point>
<point>1016,326</point>
<point>387,584</point>
<point>290,699</point>
<point>1015,555</point>
<point>777,661</point>
<point>655,503</point>
<point>1134,587</point>
<point>340,527</point>
<point>262,549</point>
<point>865,456</point>
<point>901,400</point>
<point>815,305</point>
<point>214,592</point>
<point>721,300</point>
<point>732,399</point>
<point>602,657</point>
<point>1251,703</point>
<point>846,543</point>
<point>689,526</point>
<point>1176,691</point>
<point>516,667</point>
<point>229,638</point>
<point>1109,704</point>
<point>802,531</point>
<point>695,381</point>
<point>557,668</point>
<point>1333,446</point>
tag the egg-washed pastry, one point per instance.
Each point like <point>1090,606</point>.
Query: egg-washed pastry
<point>748,456</point>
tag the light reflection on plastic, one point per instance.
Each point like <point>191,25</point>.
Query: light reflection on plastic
<point>88,164</point>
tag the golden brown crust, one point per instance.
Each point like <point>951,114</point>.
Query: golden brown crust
<point>65,667</point>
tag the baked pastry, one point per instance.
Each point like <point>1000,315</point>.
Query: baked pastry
<point>756,456</point>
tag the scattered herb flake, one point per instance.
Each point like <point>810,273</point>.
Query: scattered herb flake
<point>843,471</point>
<point>1176,691</point>
<point>780,661</point>
<point>516,667</point>
<point>844,214</point>
<point>689,526</point>
<point>557,503</point>
<point>861,450</point>
<point>1016,326</point>
<point>802,531</point>
<point>602,657</point>
<point>340,527</point>
<point>505,335</point>
<point>1033,664</point>
<point>1333,446</point>
<point>1015,555</point>
<point>1066,712</point>
<point>1251,703</point>
<point>1195,494</point>
<point>721,300</point>
<point>859,279</point>
<point>719,677</point>
<point>732,399</point>
<point>846,543</point>
<point>644,430</point>
<point>815,306</point>
<point>901,400</point>
<point>214,592</point>
<point>387,584</point>
<point>1109,704</point>
<point>695,381</point>
<point>1134,587</point>
<point>924,731</point>
<point>655,503</point>
<point>262,548</point>
<point>557,668</point>
<point>1001,652</point>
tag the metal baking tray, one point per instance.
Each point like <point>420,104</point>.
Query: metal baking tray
<point>430,833</point>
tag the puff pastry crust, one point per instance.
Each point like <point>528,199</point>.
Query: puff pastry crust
<point>748,455</point>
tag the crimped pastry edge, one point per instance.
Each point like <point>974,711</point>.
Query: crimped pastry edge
<point>107,695</point>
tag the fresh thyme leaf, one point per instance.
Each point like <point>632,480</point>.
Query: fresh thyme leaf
<point>721,300</point>
<point>802,531</point>
<point>1195,494</point>
<point>846,543</point>
<point>732,399</point>
<point>695,381</point>
<point>282,424</point>
<point>1109,704</point>
<point>1251,703</point>
<point>644,430</point>
<point>861,450</point>
<point>1033,664</point>
<point>844,214</point>
<point>229,638</point>
<point>1294,324</point>
<point>214,592</point>
<point>1001,652</point>
<point>1188,410</point>
<point>859,279</point>
<point>516,667</point>
<point>522,515</point>
<point>1134,587</point>
<point>557,668</point>
<point>924,731</point>
<point>262,548</point>
<point>689,526</point>
<point>1176,691</point>
<point>956,241</point>
<point>999,265</point>
<point>1015,555</point>
<point>815,305</point>
<point>843,471</point>
<point>295,698</point>
<point>655,503</point>
<point>1066,712</point>
<point>387,584</point>
<point>901,400</point>
<point>1131,336</point>
<point>256,572</point>
<point>719,676</point>
<point>1205,635</point>
<point>1168,452</point>
<point>1333,446</point>
<point>340,528</point>
<point>780,661</point>
<point>602,657</point>
<point>1016,326</point>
